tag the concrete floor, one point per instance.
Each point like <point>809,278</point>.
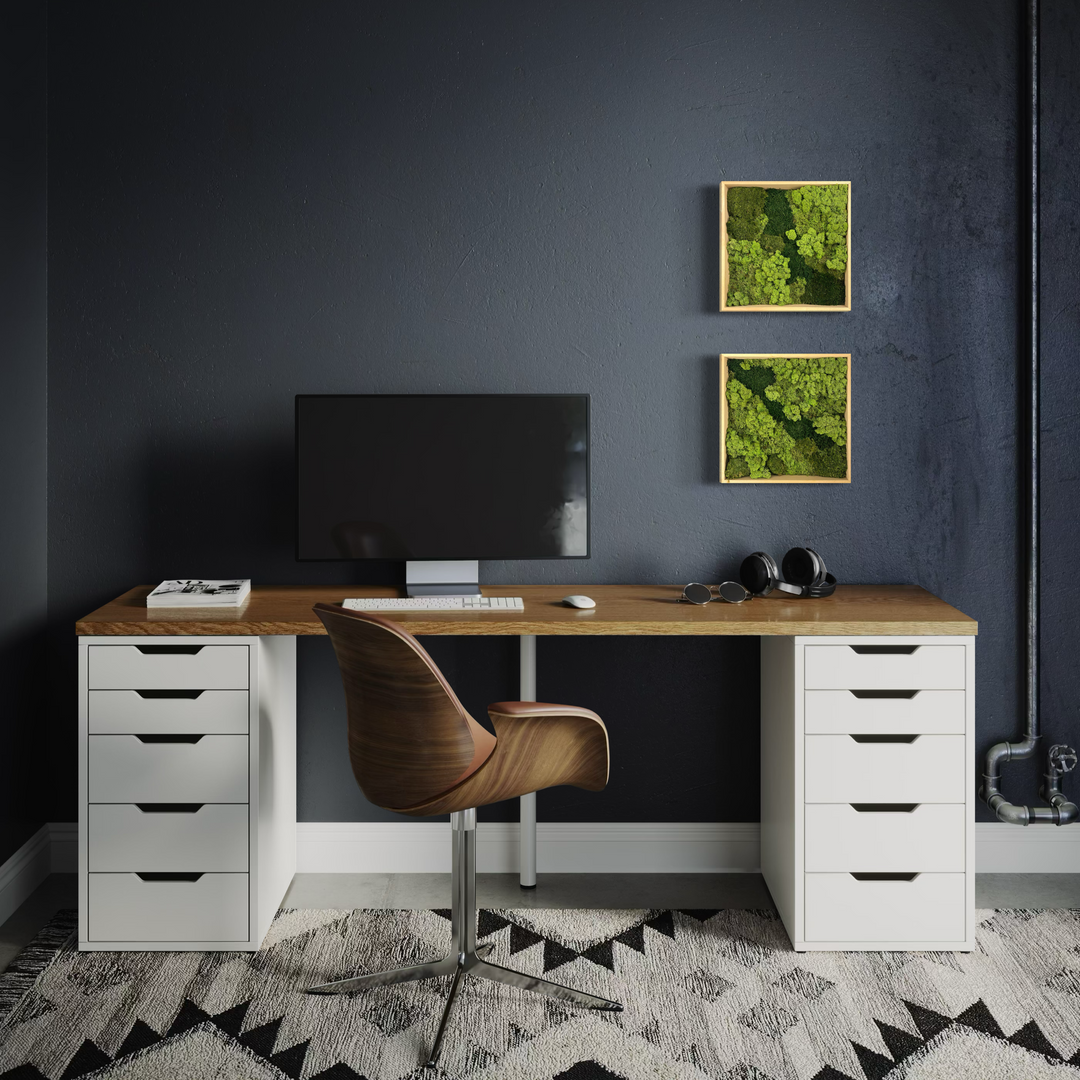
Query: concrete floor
<point>552,891</point>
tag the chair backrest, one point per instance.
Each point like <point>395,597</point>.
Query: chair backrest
<point>410,739</point>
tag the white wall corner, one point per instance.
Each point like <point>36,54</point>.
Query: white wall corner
<point>27,868</point>
<point>1032,849</point>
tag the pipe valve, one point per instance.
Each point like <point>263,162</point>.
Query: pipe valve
<point>1062,758</point>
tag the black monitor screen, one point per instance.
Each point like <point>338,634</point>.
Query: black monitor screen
<point>486,476</point>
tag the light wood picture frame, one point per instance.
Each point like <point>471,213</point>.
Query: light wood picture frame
<point>725,276</point>
<point>786,478</point>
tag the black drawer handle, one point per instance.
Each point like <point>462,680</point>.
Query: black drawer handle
<point>169,650</point>
<point>884,877</point>
<point>884,738</point>
<point>168,738</point>
<point>170,877</point>
<point>884,650</point>
<point>152,694</point>
<point>884,807</point>
<point>908,694</point>
<point>169,807</point>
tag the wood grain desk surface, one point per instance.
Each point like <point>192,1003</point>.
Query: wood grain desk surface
<point>620,609</point>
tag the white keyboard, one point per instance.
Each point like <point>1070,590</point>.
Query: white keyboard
<point>437,603</point>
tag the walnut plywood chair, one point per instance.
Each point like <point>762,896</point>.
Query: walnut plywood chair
<point>415,750</point>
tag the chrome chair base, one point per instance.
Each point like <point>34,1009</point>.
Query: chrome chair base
<point>465,957</point>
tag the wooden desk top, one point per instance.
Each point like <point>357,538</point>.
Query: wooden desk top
<point>620,609</point>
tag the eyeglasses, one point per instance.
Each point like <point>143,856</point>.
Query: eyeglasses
<point>732,592</point>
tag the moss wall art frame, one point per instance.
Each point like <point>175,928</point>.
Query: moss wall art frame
<point>785,245</point>
<point>785,419</point>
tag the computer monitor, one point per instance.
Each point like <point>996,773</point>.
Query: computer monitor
<point>442,481</point>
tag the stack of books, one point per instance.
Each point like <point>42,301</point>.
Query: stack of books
<point>194,593</point>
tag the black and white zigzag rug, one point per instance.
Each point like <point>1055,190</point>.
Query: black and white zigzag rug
<point>708,995</point>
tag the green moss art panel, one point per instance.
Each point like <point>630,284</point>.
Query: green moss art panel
<point>787,246</point>
<point>787,417</point>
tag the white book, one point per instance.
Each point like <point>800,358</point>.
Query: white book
<point>197,593</point>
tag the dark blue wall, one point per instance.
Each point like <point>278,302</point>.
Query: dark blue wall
<point>1060,337</point>
<point>24,767</point>
<point>253,201</point>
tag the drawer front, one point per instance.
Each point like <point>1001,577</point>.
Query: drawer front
<point>840,908</point>
<point>123,769</point>
<point>927,712</point>
<point>201,712</point>
<point>929,838</point>
<point>161,667</point>
<point>840,667</point>
<point>213,838</point>
<point>123,907</point>
<point>932,769</point>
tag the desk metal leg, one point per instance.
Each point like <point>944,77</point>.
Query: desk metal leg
<point>527,839</point>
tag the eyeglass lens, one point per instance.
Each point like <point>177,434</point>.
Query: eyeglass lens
<point>733,592</point>
<point>697,594</point>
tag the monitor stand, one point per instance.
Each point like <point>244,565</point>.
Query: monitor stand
<point>457,578</point>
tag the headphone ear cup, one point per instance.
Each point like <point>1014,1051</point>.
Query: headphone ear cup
<point>820,572</point>
<point>803,567</point>
<point>759,573</point>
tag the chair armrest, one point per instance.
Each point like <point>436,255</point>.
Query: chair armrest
<point>539,708</point>
<point>537,746</point>
<point>572,742</point>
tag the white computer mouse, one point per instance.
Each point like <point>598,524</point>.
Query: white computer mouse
<point>579,601</point>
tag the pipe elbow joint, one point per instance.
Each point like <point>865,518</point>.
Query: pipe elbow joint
<point>1003,752</point>
<point>1009,812</point>
<point>997,755</point>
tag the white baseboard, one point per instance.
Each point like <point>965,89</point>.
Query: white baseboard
<point>373,847</point>
<point>405,847</point>
<point>1034,849</point>
<point>627,847</point>
<point>577,847</point>
<point>21,874</point>
<point>65,847</point>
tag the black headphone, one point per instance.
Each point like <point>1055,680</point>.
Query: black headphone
<point>804,574</point>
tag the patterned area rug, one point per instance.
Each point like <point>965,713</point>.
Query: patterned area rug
<point>708,995</point>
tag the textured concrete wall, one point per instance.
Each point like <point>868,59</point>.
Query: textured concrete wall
<point>23,585</point>
<point>253,201</point>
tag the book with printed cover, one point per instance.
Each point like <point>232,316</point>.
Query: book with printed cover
<point>198,593</point>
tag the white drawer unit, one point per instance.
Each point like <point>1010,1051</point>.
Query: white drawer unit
<point>861,769</point>
<point>885,712</point>
<point>877,665</point>
<point>880,911</point>
<point>157,665</point>
<point>168,769</point>
<point>187,790</point>
<point>180,712</point>
<point>868,790</point>
<point>163,837</point>
<point>199,910</point>
<point>884,836</point>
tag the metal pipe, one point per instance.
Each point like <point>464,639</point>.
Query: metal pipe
<point>1061,811</point>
